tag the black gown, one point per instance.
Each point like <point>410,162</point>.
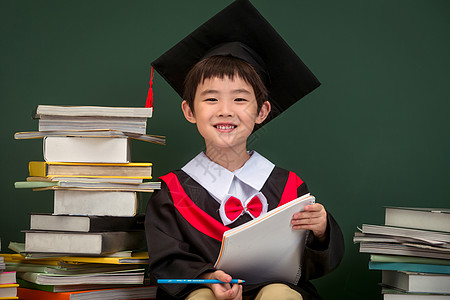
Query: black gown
<point>183,230</point>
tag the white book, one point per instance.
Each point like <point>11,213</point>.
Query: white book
<point>82,243</point>
<point>418,296</point>
<point>90,111</point>
<point>87,179</point>
<point>58,123</point>
<point>422,235</point>
<point>86,149</point>
<point>99,203</point>
<point>266,248</point>
<point>421,218</point>
<point>416,282</point>
<point>49,222</point>
<point>7,277</point>
<point>8,291</point>
<point>129,277</point>
<point>157,139</point>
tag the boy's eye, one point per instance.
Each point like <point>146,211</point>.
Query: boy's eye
<point>211,99</point>
<point>240,99</point>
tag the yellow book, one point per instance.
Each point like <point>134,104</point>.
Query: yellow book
<point>109,170</point>
<point>8,291</point>
<point>133,258</point>
<point>9,285</point>
<point>19,258</point>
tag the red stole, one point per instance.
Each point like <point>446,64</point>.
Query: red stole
<point>204,222</point>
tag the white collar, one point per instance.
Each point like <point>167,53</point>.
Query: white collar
<point>217,180</point>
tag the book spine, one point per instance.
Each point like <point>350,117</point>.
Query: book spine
<point>37,168</point>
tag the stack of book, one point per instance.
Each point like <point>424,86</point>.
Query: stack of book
<point>87,156</point>
<point>8,283</point>
<point>84,277</point>
<point>412,250</point>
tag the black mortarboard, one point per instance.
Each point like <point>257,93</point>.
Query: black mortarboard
<point>240,30</point>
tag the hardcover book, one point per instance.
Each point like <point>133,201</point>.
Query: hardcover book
<point>92,111</point>
<point>99,203</point>
<point>68,169</point>
<point>50,222</point>
<point>420,218</point>
<point>89,150</point>
<point>86,243</point>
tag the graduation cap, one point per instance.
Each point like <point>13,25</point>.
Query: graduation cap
<point>241,31</point>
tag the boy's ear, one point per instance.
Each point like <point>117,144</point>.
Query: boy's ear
<point>263,113</point>
<point>187,111</point>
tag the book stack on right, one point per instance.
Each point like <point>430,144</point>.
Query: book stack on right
<point>87,154</point>
<point>412,250</point>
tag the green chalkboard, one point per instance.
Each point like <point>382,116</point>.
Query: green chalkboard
<point>375,133</point>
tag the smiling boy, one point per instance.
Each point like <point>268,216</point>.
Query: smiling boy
<point>228,90</point>
<point>225,110</point>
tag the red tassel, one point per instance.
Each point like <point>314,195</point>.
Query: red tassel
<point>149,102</point>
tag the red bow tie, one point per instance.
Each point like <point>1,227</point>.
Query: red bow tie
<point>234,208</point>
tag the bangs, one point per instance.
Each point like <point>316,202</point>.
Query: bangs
<point>221,67</point>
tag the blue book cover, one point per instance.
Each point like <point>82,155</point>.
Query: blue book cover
<point>409,267</point>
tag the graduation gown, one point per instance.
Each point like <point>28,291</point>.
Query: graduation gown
<point>183,230</point>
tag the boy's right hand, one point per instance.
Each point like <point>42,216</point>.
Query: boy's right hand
<point>223,291</point>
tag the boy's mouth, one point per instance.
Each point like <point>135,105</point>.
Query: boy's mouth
<point>225,127</point>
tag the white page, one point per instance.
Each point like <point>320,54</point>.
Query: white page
<point>266,248</point>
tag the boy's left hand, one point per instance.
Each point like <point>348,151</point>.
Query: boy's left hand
<point>313,218</point>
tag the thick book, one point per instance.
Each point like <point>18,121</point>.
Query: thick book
<point>89,150</point>
<point>360,237</point>
<point>85,243</point>
<point>408,259</point>
<point>266,248</point>
<point>392,294</point>
<point>142,292</point>
<point>99,133</point>
<point>64,123</point>
<point>97,203</point>
<point>117,258</point>
<point>126,277</point>
<point>400,249</point>
<point>67,169</point>
<point>8,277</point>
<point>421,218</point>
<point>49,222</point>
<point>86,179</point>
<point>92,111</point>
<point>87,185</point>
<point>65,268</point>
<point>8,291</point>
<point>416,282</point>
<point>68,287</point>
<point>426,236</point>
<point>409,267</point>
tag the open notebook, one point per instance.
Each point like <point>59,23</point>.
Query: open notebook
<point>266,248</point>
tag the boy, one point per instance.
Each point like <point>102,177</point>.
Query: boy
<point>225,95</point>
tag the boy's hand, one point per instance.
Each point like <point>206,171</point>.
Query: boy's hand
<point>313,218</point>
<point>223,291</point>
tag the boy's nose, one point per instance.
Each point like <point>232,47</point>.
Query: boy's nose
<point>225,110</point>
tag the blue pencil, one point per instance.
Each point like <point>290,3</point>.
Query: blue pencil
<point>196,281</point>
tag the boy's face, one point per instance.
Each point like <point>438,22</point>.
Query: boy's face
<point>225,111</point>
